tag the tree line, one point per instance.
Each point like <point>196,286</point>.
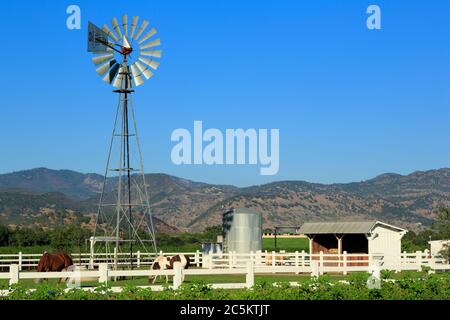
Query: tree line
<point>440,230</point>
<point>59,238</point>
<point>73,238</point>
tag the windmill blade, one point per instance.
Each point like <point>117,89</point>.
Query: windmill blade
<point>115,25</point>
<point>141,29</point>
<point>153,53</point>
<point>134,23</point>
<point>148,35</point>
<point>125,42</point>
<point>100,59</point>
<point>109,32</point>
<point>120,77</point>
<point>144,70</point>
<point>109,77</point>
<point>129,83</point>
<point>153,64</point>
<point>151,44</point>
<point>125,24</point>
<point>105,67</point>
<point>137,77</point>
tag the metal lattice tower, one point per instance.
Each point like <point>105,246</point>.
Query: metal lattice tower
<point>124,219</point>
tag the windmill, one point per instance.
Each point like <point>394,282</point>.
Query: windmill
<point>124,58</point>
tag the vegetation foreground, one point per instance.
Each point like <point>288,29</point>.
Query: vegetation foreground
<point>409,286</point>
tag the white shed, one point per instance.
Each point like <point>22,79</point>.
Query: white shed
<point>365,237</point>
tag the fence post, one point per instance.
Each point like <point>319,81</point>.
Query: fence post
<point>178,275</point>
<point>432,265</point>
<point>303,258</point>
<point>116,257</point>
<point>20,261</point>
<point>321,265</point>
<point>210,261</point>
<point>91,260</point>
<point>138,258</point>
<point>344,264</point>
<point>273,258</point>
<point>297,262</point>
<point>314,264</point>
<point>13,274</point>
<point>250,277</point>
<point>197,258</point>
<point>419,260</point>
<point>252,257</point>
<point>103,273</point>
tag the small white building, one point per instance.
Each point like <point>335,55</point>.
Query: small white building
<point>437,246</point>
<point>366,237</point>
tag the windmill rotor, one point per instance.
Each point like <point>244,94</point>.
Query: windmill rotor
<point>129,43</point>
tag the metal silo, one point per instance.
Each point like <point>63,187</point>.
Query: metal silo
<point>242,231</point>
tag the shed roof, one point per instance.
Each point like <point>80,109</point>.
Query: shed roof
<point>362,227</point>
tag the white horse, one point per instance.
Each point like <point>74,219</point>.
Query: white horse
<point>167,263</point>
<point>160,263</point>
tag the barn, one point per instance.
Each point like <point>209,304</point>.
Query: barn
<point>364,237</point>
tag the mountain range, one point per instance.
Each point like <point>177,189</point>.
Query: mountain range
<point>47,197</point>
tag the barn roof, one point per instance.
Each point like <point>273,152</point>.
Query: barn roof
<point>362,227</point>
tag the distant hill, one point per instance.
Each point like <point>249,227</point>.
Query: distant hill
<point>51,209</point>
<point>409,201</point>
<point>41,180</point>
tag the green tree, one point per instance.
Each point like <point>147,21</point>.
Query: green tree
<point>445,252</point>
<point>442,224</point>
<point>5,235</point>
<point>68,238</point>
<point>211,233</point>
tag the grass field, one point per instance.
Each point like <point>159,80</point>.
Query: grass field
<point>142,281</point>
<point>290,244</point>
<point>267,278</point>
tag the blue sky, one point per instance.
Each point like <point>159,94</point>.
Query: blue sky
<point>350,103</point>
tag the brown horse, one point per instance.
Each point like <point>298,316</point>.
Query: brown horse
<point>55,262</point>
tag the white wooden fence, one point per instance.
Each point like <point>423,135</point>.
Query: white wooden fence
<point>296,262</point>
<point>140,259</point>
<point>104,275</point>
<point>234,264</point>
<point>302,262</point>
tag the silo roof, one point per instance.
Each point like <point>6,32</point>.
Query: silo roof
<point>361,227</point>
<point>245,210</point>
